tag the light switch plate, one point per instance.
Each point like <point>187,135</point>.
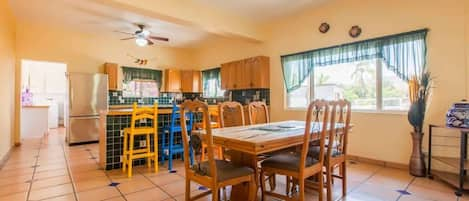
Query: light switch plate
<point>143,143</point>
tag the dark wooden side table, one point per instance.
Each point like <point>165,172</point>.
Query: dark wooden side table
<point>461,163</point>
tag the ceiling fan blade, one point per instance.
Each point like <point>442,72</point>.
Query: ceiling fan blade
<point>122,32</point>
<point>150,42</point>
<point>128,38</point>
<point>159,38</point>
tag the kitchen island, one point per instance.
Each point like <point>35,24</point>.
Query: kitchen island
<point>113,122</point>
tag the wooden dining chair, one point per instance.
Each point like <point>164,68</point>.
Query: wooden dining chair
<point>258,113</point>
<point>214,174</point>
<point>336,147</point>
<point>298,165</point>
<point>231,114</point>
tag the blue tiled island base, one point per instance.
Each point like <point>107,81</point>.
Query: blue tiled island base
<point>114,140</point>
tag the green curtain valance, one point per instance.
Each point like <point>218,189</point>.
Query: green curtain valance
<point>130,74</point>
<point>404,54</point>
<point>210,74</point>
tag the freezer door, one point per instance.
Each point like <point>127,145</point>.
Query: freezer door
<point>87,94</point>
<point>83,129</point>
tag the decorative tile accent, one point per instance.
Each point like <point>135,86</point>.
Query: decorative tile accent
<point>114,184</point>
<point>404,192</point>
<point>246,96</point>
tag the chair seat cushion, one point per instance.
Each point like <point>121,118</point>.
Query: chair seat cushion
<point>225,170</point>
<point>314,152</point>
<point>287,161</point>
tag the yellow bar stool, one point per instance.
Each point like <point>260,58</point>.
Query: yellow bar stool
<point>139,115</point>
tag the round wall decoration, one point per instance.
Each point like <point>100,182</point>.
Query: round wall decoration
<point>355,31</point>
<point>324,27</point>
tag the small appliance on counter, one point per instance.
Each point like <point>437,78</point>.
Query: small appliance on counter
<point>458,115</point>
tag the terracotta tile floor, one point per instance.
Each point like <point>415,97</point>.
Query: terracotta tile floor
<point>47,169</point>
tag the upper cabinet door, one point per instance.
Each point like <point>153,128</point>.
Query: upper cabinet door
<point>172,80</point>
<point>186,81</point>
<point>111,69</point>
<point>251,73</point>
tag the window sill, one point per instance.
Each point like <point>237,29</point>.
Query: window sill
<point>390,112</point>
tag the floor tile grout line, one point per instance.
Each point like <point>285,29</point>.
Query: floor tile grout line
<point>158,186</point>
<point>407,187</point>
<point>364,181</point>
<point>75,194</point>
<point>110,179</point>
<point>35,166</point>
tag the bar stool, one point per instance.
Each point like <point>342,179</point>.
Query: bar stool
<point>174,128</point>
<point>129,154</point>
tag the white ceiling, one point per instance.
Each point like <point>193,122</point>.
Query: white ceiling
<point>88,16</point>
<point>262,10</point>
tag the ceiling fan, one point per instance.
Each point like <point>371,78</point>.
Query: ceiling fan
<point>142,36</point>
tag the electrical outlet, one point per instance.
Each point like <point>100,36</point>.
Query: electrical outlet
<point>143,121</point>
<point>143,143</point>
<point>121,133</point>
<point>120,159</point>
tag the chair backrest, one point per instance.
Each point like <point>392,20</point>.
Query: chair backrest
<point>231,114</point>
<point>340,126</point>
<point>191,107</point>
<point>317,118</point>
<point>176,117</point>
<point>258,113</point>
<point>147,113</point>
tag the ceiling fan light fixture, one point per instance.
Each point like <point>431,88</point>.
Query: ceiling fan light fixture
<point>141,41</point>
<point>146,33</point>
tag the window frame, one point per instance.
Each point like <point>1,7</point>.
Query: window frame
<point>379,94</point>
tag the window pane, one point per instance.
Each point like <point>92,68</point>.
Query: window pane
<point>395,91</point>
<point>299,98</point>
<point>355,82</point>
<point>213,89</point>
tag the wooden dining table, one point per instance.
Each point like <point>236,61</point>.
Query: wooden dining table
<point>246,143</point>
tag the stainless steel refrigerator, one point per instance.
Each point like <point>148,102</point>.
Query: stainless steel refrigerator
<point>87,97</point>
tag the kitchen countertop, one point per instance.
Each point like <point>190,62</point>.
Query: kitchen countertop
<point>35,106</point>
<point>127,109</point>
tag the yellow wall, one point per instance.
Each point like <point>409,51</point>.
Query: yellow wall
<point>376,135</point>
<point>7,74</point>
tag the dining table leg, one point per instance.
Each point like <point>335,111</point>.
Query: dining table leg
<point>244,192</point>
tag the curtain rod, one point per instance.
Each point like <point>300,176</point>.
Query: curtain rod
<point>356,42</point>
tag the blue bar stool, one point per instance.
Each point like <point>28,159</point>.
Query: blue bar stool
<point>174,129</point>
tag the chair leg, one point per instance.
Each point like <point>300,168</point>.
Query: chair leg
<point>215,195</point>
<point>344,178</point>
<point>321,185</point>
<point>155,145</point>
<point>262,181</point>
<point>329,183</point>
<point>301,183</point>
<point>124,154</point>
<point>131,154</point>
<point>170,151</point>
<point>188,190</point>
<point>148,151</point>
<point>202,155</point>
<point>272,182</point>
<point>288,187</point>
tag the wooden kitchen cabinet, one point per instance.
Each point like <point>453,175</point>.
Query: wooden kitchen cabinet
<point>172,80</point>
<point>191,81</point>
<point>251,73</point>
<point>112,71</point>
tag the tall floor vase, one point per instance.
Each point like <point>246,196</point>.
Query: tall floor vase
<point>417,162</point>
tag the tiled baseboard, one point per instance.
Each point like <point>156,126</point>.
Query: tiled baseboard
<point>378,162</point>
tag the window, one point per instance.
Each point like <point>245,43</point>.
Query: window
<point>368,85</point>
<point>211,83</point>
<point>140,88</point>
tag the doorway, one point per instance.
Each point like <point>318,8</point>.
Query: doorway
<point>43,93</point>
